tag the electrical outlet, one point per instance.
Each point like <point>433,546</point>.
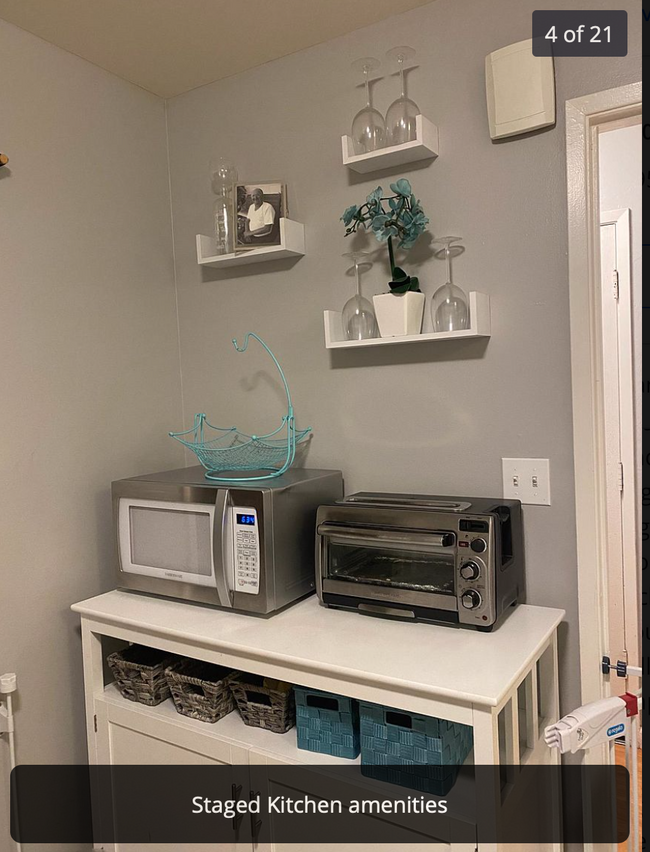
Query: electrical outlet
<point>528,480</point>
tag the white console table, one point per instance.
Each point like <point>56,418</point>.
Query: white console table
<point>504,684</point>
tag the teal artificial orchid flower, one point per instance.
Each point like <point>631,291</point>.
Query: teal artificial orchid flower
<point>404,220</point>
<point>375,197</point>
<point>402,187</point>
<point>350,215</point>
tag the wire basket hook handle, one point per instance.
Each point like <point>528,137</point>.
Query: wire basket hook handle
<point>244,347</point>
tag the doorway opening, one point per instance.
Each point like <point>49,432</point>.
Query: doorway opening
<point>604,136</point>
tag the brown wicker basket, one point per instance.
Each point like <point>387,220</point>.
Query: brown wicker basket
<point>264,702</point>
<point>140,673</point>
<point>201,690</point>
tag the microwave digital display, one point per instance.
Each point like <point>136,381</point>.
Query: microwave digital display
<point>246,520</point>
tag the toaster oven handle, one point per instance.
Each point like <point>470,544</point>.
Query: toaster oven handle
<point>366,534</point>
<point>223,561</point>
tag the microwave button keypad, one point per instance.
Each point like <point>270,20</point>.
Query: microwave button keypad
<point>247,551</point>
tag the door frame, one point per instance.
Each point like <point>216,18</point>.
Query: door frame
<point>585,118</point>
<point>621,220</point>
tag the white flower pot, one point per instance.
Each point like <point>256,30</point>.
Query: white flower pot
<point>399,315</point>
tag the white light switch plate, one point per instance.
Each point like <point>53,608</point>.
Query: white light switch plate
<point>528,480</point>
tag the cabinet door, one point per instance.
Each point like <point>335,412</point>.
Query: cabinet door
<point>405,839</point>
<point>131,737</point>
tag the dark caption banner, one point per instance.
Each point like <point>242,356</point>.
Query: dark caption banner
<point>298,804</point>
<point>580,33</point>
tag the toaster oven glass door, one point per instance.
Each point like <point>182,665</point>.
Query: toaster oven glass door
<point>173,541</point>
<point>364,559</point>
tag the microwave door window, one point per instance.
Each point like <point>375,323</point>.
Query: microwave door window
<point>405,567</point>
<point>171,540</point>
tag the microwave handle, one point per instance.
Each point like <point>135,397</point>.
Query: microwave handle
<point>447,539</point>
<point>220,546</point>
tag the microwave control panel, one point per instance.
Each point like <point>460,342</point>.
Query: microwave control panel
<point>246,541</point>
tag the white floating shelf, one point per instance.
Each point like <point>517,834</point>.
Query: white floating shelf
<point>424,147</point>
<point>479,307</point>
<point>292,244</point>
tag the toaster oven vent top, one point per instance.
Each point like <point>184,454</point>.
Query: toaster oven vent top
<point>407,501</point>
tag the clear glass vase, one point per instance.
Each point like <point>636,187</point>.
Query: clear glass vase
<point>358,316</point>
<point>449,306</point>
<point>223,179</point>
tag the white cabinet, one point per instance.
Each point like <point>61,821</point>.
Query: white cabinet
<point>505,685</point>
<point>268,783</point>
<point>131,735</point>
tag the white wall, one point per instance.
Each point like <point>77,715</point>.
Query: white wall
<point>89,367</point>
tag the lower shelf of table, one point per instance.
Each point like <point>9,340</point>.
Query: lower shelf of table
<point>232,729</point>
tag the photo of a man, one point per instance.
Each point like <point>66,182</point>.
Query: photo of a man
<point>259,210</point>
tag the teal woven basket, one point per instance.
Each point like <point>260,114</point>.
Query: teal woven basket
<point>412,750</point>
<point>327,723</point>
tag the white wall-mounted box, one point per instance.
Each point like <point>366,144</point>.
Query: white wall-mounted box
<point>520,90</point>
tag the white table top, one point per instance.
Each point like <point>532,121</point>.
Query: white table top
<point>441,662</point>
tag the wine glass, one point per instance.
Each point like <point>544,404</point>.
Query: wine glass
<point>401,126</point>
<point>368,127</point>
<point>449,308</point>
<point>358,317</point>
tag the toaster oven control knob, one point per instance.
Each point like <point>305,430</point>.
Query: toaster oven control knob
<point>479,545</point>
<point>471,600</point>
<point>470,571</point>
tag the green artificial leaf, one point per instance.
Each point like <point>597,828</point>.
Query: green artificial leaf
<point>399,275</point>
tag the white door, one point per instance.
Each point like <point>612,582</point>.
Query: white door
<point>128,737</point>
<point>622,616</point>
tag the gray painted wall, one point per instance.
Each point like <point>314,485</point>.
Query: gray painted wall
<point>89,367</point>
<point>435,418</point>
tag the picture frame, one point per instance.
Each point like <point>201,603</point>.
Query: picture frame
<point>258,210</point>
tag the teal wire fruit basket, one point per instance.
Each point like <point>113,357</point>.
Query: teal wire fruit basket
<point>226,453</point>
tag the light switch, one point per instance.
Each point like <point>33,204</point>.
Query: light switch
<point>528,480</point>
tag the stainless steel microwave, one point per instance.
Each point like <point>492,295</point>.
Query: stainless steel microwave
<point>247,546</point>
<point>446,559</point>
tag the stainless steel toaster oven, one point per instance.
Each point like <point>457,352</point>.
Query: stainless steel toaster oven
<point>444,559</point>
<point>247,546</point>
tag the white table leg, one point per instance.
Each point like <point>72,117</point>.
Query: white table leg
<point>486,753</point>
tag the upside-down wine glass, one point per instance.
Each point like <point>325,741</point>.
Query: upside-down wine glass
<point>401,125</point>
<point>368,127</point>
<point>358,317</point>
<point>449,308</point>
